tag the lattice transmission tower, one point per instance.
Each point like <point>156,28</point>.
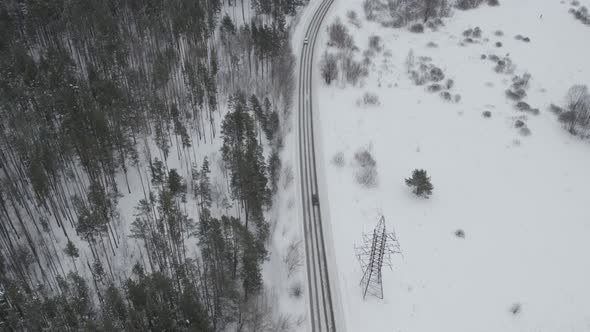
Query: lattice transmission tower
<point>376,251</point>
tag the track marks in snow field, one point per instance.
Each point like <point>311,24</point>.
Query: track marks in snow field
<point>319,292</point>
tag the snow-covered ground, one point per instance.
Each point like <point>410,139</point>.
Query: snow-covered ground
<point>522,201</point>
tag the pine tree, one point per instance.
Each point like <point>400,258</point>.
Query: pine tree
<point>72,251</point>
<point>420,183</point>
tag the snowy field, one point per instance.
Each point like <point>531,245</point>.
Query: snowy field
<point>521,200</point>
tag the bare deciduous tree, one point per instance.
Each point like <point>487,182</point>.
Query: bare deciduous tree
<point>577,114</point>
<point>339,35</point>
<point>329,67</point>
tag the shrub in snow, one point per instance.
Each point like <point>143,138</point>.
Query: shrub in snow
<point>370,99</point>
<point>468,4</point>
<point>375,43</point>
<point>366,174</point>
<point>353,18</point>
<point>436,74</point>
<point>339,35</point>
<point>401,12</point>
<point>526,39</point>
<point>410,60</point>
<point>434,88</point>
<point>576,115</point>
<point>457,98</point>
<point>367,177</point>
<point>296,291</point>
<point>515,94</point>
<point>338,159</point>
<point>524,131</point>
<point>519,124</point>
<point>417,28</point>
<point>498,44</point>
<point>364,158</point>
<point>432,45</point>
<point>498,33</point>
<point>581,14</point>
<point>420,183</point>
<point>450,83</point>
<point>446,95</point>
<point>419,78</point>
<point>483,56</point>
<point>504,66</point>
<point>516,308</point>
<point>460,233</point>
<point>522,106</point>
<point>487,114</point>
<point>521,82</point>
<point>353,70</point>
<point>431,25</point>
<point>555,109</point>
<point>493,3</point>
<point>476,32</point>
<point>329,67</point>
<point>294,258</point>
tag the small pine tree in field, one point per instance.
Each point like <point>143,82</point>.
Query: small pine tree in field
<point>420,183</point>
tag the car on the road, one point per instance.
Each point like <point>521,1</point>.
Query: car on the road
<point>305,41</point>
<point>315,200</point>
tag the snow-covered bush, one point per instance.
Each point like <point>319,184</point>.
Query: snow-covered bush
<point>399,13</point>
<point>504,65</point>
<point>353,18</point>
<point>375,43</point>
<point>353,70</point>
<point>329,67</point>
<point>449,84</point>
<point>525,107</point>
<point>436,74</point>
<point>487,114</point>
<point>516,308</point>
<point>366,174</point>
<point>338,159</point>
<point>417,28</point>
<point>524,131</point>
<point>434,88</point>
<point>468,4</point>
<point>581,14</point>
<point>370,99</point>
<point>576,115</point>
<point>296,290</point>
<point>555,109</point>
<point>446,95</point>
<point>294,257</point>
<point>515,94</point>
<point>339,36</point>
<point>475,33</point>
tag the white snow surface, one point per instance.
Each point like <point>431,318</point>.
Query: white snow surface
<point>522,201</point>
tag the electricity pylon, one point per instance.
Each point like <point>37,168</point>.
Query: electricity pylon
<point>375,252</point>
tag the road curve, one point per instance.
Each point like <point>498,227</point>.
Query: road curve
<point>321,309</point>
